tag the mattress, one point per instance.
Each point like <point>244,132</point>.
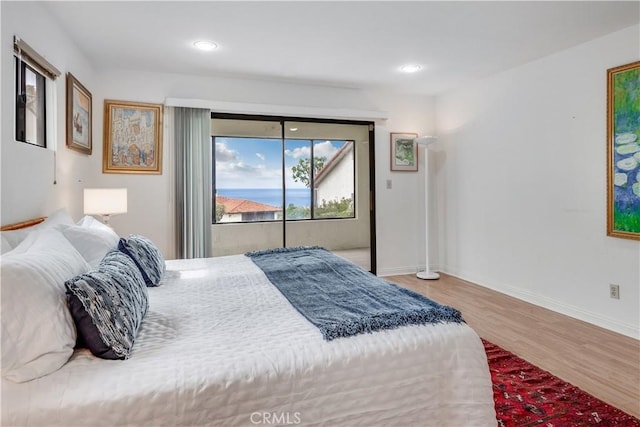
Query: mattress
<point>221,346</point>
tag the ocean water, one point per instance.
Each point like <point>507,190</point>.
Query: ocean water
<point>269,196</point>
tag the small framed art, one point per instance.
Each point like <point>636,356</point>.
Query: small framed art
<point>404,152</point>
<point>132,137</point>
<point>79,106</point>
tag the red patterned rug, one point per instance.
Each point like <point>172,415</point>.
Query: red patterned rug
<point>525,395</point>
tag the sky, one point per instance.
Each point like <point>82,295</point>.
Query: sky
<point>257,162</point>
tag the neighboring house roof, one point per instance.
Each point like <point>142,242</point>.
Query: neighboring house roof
<point>335,160</point>
<point>235,206</point>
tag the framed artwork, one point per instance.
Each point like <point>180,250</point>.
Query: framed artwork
<point>404,152</point>
<point>132,137</point>
<point>79,106</point>
<point>623,151</point>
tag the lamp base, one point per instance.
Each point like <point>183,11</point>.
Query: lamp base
<point>427,275</point>
<point>105,219</point>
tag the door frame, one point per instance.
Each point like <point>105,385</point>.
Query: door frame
<point>372,176</point>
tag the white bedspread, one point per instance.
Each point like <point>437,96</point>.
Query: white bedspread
<point>221,346</point>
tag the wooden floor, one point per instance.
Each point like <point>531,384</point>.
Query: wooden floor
<point>602,363</point>
<point>358,256</point>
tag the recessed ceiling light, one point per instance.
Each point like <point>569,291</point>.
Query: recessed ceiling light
<point>293,129</point>
<point>411,68</point>
<point>205,45</point>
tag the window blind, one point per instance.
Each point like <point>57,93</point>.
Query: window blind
<point>26,53</point>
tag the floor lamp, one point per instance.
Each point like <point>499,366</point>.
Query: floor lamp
<point>425,141</point>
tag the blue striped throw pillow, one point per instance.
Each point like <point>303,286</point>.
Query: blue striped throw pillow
<point>108,305</point>
<point>146,256</point>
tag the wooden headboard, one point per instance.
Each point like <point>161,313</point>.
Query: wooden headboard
<point>23,224</point>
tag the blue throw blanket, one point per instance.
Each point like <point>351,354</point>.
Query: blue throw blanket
<point>342,299</point>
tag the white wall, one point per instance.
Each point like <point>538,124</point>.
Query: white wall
<point>27,178</point>
<point>400,210</point>
<point>27,172</point>
<point>522,185</point>
<point>153,214</point>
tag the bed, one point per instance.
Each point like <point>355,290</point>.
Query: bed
<point>220,345</point>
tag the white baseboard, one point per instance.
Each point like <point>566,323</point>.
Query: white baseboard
<point>396,271</point>
<point>597,319</point>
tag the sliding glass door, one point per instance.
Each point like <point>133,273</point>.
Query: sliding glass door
<point>247,185</point>
<point>291,183</point>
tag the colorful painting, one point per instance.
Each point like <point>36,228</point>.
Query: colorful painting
<point>133,137</point>
<point>623,151</point>
<point>78,116</point>
<point>404,152</point>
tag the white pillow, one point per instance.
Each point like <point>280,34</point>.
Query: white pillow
<point>61,216</point>
<point>90,222</point>
<point>93,243</point>
<point>38,333</point>
<point>11,239</point>
<point>6,246</point>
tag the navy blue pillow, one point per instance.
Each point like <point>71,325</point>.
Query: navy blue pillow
<point>108,305</point>
<point>146,256</point>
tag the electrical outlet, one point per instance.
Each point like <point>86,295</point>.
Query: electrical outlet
<point>614,291</point>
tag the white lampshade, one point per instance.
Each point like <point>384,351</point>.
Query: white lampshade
<point>105,201</point>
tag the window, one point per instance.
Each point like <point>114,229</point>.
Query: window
<point>30,105</point>
<point>248,179</point>
<point>334,186</point>
<point>325,166</point>
<point>297,157</point>
<point>261,175</point>
<point>34,90</point>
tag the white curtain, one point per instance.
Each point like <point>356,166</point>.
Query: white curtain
<point>192,135</point>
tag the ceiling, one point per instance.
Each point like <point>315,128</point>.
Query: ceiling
<point>353,44</point>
